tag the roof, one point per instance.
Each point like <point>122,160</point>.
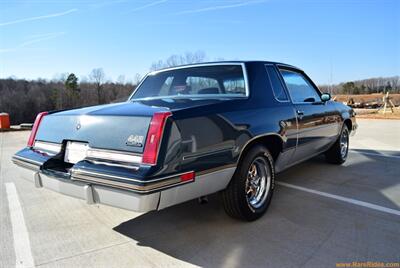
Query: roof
<point>228,62</point>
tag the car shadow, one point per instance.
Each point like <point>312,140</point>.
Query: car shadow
<point>204,235</point>
<point>289,235</point>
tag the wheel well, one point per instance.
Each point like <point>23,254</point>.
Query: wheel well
<point>272,142</point>
<point>349,124</point>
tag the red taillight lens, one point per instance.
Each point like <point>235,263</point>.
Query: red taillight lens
<point>154,137</point>
<point>187,176</point>
<point>35,127</point>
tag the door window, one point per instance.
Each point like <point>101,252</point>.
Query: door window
<point>299,88</point>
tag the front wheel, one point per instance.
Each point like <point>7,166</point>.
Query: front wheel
<point>250,191</point>
<point>337,154</point>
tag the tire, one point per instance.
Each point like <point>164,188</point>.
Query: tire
<point>249,193</point>
<point>337,154</point>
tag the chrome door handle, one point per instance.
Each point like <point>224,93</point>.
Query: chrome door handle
<point>300,114</point>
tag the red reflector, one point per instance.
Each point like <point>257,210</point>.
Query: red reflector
<point>154,136</point>
<point>35,127</point>
<point>188,176</point>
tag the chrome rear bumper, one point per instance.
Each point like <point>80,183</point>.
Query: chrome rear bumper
<point>93,194</point>
<point>100,189</point>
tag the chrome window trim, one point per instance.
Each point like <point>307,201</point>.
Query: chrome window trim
<point>307,79</point>
<point>272,86</point>
<point>244,71</point>
<point>196,96</point>
<point>278,69</point>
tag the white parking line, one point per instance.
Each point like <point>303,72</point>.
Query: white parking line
<point>375,154</point>
<point>341,198</point>
<point>22,247</point>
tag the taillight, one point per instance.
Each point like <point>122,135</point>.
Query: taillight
<point>189,176</point>
<point>154,137</point>
<point>35,127</point>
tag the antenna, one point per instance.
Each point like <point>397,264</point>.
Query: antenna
<point>330,86</point>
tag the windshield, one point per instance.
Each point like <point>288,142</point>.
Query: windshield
<point>194,82</point>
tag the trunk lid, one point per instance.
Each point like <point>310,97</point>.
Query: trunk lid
<point>114,126</point>
<point>110,127</point>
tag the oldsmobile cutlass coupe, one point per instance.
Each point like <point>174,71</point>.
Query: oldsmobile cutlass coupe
<point>187,132</point>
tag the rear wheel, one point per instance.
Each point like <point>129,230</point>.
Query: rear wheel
<point>250,191</point>
<point>337,154</point>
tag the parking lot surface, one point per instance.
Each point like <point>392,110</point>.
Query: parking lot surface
<point>320,215</point>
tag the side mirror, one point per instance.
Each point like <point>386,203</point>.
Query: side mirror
<point>325,97</point>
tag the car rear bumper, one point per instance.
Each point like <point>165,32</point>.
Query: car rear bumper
<point>102,192</point>
<point>93,194</point>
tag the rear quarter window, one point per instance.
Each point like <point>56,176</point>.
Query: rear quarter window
<point>276,84</point>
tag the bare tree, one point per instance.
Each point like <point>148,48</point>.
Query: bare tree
<point>121,79</point>
<point>175,60</point>
<point>23,99</point>
<point>137,79</point>
<point>97,76</point>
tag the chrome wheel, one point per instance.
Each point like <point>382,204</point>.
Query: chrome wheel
<point>258,182</point>
<point>344,143</point>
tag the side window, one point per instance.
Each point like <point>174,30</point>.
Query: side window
<point>299,88</point>
<point>276,84</point>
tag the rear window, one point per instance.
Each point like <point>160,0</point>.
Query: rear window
<point>194,82</point>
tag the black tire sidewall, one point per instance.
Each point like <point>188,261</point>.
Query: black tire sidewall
<point>334,155</point>
<point>249,212</point>
<point>344,129</point>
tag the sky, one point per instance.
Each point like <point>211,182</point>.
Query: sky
<point>332,41</point>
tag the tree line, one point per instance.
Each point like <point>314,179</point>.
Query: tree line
<point>23,99</point>
<point>365,86</point>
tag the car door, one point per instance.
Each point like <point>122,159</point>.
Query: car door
<point>285,114</point>
<point>317,122</point>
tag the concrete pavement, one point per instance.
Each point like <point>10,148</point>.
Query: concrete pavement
<point>301,229</point>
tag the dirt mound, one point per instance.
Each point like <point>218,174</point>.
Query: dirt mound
<point>368,98</point>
